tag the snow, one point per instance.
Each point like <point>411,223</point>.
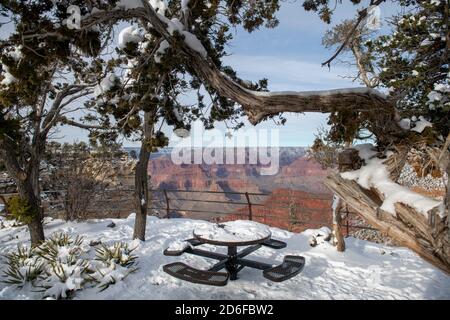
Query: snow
<point>426,42</point>
<point>179,245</point>
<point>16,54</point>
<point>192,41</point>
<point>374,174</point>
<point>158,5</point>
<point>106,84</point>
<point>8,77</point>
<point>161,50</point>
<point>364,271</point>
<point>172,25</point>
<point>442,87</point>
<point>182,132</point>
<point>184,5</point>
<point>421,125</point>
<point>321,93</point>
<point>434,96</point>
<point>233,231</point>
<point>129,34</point>
<point>405,124</point>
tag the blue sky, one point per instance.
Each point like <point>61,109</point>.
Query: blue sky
<point>290,57</point>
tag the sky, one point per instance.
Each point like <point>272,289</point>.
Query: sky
<point>290,57</point>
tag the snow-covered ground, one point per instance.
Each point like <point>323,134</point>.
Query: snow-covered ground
<point>364,271</point>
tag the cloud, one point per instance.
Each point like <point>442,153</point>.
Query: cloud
<point>290,74</point>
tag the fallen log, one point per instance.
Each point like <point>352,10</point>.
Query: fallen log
<point>409,228</point>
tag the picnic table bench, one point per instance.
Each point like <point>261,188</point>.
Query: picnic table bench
<point>231,235</point>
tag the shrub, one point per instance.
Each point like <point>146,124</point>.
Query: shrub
<point>115,263</point>
<point>23,267</point>
<point>61,265</point>
<point>20,209</point>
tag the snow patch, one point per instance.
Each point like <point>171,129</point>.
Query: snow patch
<point>233,231</point>
<point>421,125</point>
<point>374,174</point>
<point>130,34</point>
<point>106,84</point>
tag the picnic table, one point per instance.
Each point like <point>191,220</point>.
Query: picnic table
<point>233,234</point>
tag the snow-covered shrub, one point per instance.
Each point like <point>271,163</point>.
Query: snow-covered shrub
<point>114,263</point>
<point>24,266</point>
<point>119,253</point>
<point>67,265</point>
<point>61,265</point>
<point>64,279</point>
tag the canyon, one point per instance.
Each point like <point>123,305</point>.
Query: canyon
<point>293,199</point>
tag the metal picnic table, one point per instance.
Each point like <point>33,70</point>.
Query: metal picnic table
<point>231,235</point>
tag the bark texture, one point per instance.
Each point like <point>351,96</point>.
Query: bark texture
<point>259,105</point>
<point>141,194</point>
<point>427,237</point>
<point>337,230</point>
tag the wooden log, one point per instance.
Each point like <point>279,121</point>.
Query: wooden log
<point>367,204</point>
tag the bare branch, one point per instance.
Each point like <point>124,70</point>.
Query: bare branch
<point>361,16</point>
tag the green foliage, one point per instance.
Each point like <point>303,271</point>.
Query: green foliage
<point>50,249</point>
<point>20,209</point>
<point>119,253</point>
<point>415,63</point>
<point>23,267</point>
<point>411,63</point>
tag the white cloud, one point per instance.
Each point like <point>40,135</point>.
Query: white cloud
<point>289,74</point>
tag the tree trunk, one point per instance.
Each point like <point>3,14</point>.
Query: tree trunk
<point>26,176</point>
<point>337,219</point>
<point>141,181</point>
<point>447,200</point>
<point>29,190</point>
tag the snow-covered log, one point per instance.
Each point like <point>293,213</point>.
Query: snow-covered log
<point>411,219</point>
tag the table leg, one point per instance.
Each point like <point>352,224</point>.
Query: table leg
<point>231,265</point>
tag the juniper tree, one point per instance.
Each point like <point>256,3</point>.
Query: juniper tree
<point>152,79</point>
<point>414,61</point>
<point>42,77</point>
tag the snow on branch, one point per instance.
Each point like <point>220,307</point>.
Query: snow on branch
<point>257,106</point>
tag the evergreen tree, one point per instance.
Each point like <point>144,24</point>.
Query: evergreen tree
<point>43,74</point>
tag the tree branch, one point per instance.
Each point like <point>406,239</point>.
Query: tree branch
<point>257,105</point>
<point>362,15</point>
<point>81,125</point>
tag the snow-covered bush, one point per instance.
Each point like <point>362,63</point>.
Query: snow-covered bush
<point>114,263</point>
<point>61,265</point>
<point>119,253</point>
<point>24,266</point>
